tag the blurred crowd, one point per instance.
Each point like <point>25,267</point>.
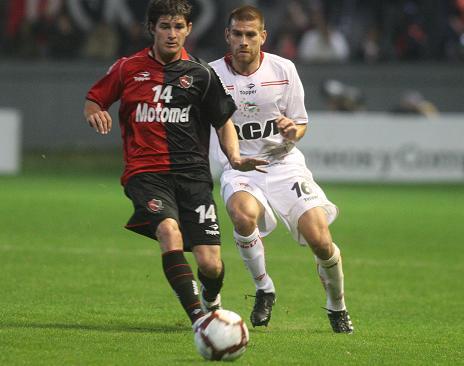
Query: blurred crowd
<point>302,30</point>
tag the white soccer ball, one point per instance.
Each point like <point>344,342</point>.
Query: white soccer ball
<point>222,335</point>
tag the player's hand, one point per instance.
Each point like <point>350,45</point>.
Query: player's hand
<point>101,121</point>
<point>287,128</point>
<point>248,164</point>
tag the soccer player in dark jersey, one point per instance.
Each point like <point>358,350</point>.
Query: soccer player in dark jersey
<point>168,101</point>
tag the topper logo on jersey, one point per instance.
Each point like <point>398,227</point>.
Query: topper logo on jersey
<point>256,130</point>
<point>142,76</point>
<point>250,86</point>
<point>159,112</point>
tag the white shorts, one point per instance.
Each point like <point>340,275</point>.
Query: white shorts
<point>288,189</point>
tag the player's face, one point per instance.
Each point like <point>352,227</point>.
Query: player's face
<point>245,38</point>
<point>169,35</point>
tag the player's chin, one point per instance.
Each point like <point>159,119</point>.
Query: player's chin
<point>171,51</point>
<point>243,56</point>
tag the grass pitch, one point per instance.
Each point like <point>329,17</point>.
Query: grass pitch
<point>78,289</point>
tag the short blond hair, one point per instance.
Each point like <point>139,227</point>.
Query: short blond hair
<point>246,13</point>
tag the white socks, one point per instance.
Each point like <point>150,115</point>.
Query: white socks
<point>252,252</point>
<point>331,275</point>
<point>330,271</point>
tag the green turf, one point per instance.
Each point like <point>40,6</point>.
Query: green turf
<point>77,289</point>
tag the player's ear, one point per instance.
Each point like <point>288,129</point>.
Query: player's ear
<point>151,28</point>
<point>226,35</point>
<point>263,37</point>
<point>189,28</point>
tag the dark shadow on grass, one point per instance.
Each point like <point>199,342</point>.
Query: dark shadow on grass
<point>124,328</point>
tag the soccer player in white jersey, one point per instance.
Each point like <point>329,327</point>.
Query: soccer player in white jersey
<point>271,117</point>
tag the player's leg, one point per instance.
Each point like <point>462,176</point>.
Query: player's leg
<point>155,216</point>
<point>176,268</point>
<point>245,211</point>
<point>202,235</point>
<point>306,211</point>
<point>314,227</point>
<point>211,271</point>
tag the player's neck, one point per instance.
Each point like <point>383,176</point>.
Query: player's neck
<point>246,68</point>
<point>165,58</point>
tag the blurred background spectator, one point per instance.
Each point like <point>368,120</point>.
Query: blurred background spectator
<point>303,30</point>
<point>102,43</point>
<point>341,97</point>
<point>322,42</point>
<point>413,102</point>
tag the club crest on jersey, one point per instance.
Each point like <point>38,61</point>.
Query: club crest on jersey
<point>186,81</point>
<point>142,76</point>
<point>155,205</point>
<point>248,109</point>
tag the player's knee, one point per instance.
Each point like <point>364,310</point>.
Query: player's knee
<point>244,222</point>
<point>208,259</point>
<point>321,243</point>
<point>168,232</point>
<point>210,267</point>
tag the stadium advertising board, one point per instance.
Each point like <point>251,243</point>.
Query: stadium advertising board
<point>385,147</point>
<point>10,123</point>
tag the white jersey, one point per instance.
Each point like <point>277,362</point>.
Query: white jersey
<point>274,89</point>
<point>288,189</point>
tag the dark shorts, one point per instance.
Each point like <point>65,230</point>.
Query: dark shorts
<point>160,196</point>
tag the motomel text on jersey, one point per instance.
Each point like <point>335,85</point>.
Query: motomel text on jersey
<point>147,113</point>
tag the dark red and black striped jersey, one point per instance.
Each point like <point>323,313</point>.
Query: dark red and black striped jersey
<point>165,112</point>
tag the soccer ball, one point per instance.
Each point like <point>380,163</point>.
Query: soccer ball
<point>222,335</point>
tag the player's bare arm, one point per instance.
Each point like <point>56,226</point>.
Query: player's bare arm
<point>229,144</point>
<point>289,129</point>
<point>97,118</point>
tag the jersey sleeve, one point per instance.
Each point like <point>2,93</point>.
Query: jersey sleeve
<point>218,104</point>
<point>295,108</point>
<point>108,89</point>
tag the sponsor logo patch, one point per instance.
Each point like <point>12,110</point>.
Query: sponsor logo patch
<point>142,76</point>
<point>246,245</point>
<point>247,92</point>
<point>158,113</point>
<point>245,186</point>
<point>214,230</point>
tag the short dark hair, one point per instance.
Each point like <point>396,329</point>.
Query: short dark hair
<point>246,13</point>
<point>158,8</point>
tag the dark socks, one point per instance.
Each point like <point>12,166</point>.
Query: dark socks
<point>179,275</point>
<point>212,286</point>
